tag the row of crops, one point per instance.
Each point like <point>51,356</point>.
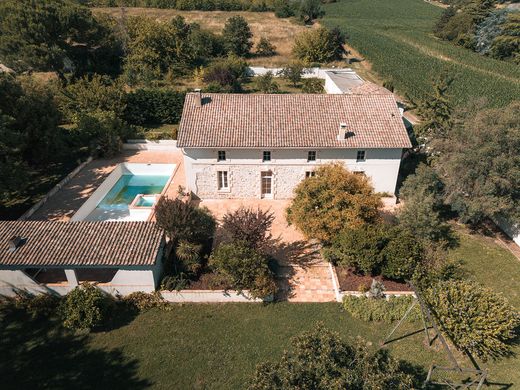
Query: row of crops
<point>395,36</point>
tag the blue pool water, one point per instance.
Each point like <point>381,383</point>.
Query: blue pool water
<point>115,204</point>
<point>129,186</point>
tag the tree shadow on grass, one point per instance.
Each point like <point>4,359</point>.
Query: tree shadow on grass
<point>39,353</point>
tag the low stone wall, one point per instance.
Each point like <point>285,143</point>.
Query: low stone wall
<point>209,296</point>
<point>55,189</point>
<point>144,144</point>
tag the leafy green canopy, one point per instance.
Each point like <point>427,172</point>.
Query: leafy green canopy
<point>56,35</point>
<point>237,36</point>
<point>320,359</point>
<point>477,319</point>
<point>319,45</point>
<point>479,163</point>
<point>331,201</point>
<point>242,267</point>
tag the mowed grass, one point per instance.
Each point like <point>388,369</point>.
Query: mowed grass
<point>280,32</point>
<point>396,38</point>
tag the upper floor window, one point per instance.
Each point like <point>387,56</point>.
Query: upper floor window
<point>266,156</point>
<point>361,155</point>
<point>222,180</point>
<point>311,155</point>
<point>221,155</point>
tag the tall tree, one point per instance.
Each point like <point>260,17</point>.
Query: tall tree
<point>53,35</point>
<point>237,36</point>
<point>479,162</point>
<point>436,110</point>
<point>331,201</point>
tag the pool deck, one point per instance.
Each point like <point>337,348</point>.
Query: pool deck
<point>63,205</point>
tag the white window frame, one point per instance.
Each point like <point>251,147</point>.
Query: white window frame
<point>218,155</point>
<point>315,156</point>
<point>270,156</point>
<point>223,181</point>
<point>364,155</point>
<point>270,175</point>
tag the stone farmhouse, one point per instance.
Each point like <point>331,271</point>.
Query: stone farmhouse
<point>263,145</point>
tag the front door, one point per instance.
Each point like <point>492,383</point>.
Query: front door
<point>267,184</point>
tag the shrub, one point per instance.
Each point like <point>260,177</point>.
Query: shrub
<point>283,8</point>
<point>237,36</point>
<point>310,10</point>
<point>142,301</point>
<point>102,131</point>
<point>182,221</point>
<point>381,310</point>
<point>43,305</point>
<point>402,254</point>
<point>293,72</point>
<point>189,256</point>
<point>320,359</point>
<point>265,48</point>
<point>176,282</point>
<point>319,45</point>
<point>312,85</point>
<point>266,84</point>
<point>477,319</point>
<point>360,248</point>
<point>331,201</point>
<point>243,268</point>
<point>85,307</point>
<point>249,226</point>
<point>227,74</point>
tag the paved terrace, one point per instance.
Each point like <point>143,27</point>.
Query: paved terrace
<point>303,275</point>
<point>63,205</point>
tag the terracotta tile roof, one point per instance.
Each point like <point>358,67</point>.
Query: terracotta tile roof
<point>82,243</point>
<point>292,121</point>
<point>369,88</point>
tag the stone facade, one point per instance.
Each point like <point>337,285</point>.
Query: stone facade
<point>287,168</point>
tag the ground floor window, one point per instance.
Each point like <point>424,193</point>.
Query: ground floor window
<point>310,174</point>
<point>222,180</point>
<point>267,184</point>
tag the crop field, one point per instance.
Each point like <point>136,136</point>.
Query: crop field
<point>280,32</point>
<point>395,37</point>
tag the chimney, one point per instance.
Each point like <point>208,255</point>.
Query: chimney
<point>198,98</point>
<point>15,242</point>
<point>343,133</point>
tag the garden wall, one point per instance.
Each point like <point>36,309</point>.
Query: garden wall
<point>208,296</point>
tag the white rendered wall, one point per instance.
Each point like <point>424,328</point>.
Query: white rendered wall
<point>11,280</point>
<point>512,230</point>
<point>126,280</point>
<point>120,170</point>
<point>288,167</point>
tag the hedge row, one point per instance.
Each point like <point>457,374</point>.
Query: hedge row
<point>188,5</point>
<point>154,107</point>
<point>381,310</point>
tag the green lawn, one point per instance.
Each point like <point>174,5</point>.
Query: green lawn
<point>395,36</point>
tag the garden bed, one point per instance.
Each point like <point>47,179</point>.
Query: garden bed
<point>207,281</point>
<point>350,281</point>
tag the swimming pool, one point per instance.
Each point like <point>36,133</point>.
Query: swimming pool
<point>128,193</point>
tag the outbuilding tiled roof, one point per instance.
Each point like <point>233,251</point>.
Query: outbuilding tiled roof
<point>291,121</point>
<point>82,243</point>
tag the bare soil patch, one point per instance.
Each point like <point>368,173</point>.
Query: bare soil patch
<point>349,281</point>
<point>280,32</point>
